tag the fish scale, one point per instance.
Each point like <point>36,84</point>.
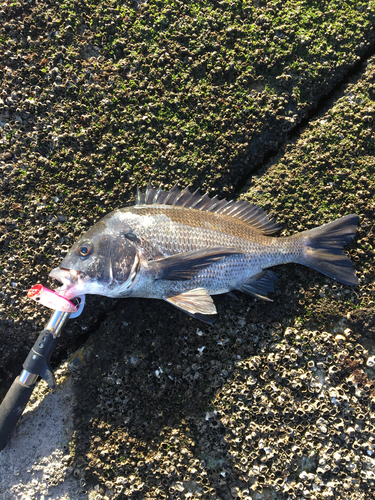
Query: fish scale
<point>181,233</point>
<point>183,247</point>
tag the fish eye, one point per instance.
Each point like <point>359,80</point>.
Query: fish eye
<point>85,249</point>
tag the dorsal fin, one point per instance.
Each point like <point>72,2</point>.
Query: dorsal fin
<point>150,194</point>
<point>242,210</point>
<point>140,198</point>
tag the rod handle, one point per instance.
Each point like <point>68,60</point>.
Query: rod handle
<point>11,409</point>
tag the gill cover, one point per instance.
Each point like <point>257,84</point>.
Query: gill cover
<point>103,254</point>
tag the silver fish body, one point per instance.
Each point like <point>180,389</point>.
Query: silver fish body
<point>183,248</point>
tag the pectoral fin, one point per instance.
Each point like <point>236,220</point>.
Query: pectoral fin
<point>198,303</point>
<point>184,266</point>
<point>260,285</point>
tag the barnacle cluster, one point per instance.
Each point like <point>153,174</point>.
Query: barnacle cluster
<point>97,97</point>
<point>299,421</point>
<point>267,411</point>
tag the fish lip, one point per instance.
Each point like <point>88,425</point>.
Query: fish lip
<point>66,270</point>
<point>68,280</point>
<point>59,273</point>
<point>66,276</point>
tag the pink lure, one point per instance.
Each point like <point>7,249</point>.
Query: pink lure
<point>51,299</point>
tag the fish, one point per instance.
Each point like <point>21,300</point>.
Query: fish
<point>51,299</point>
<point>185,247</point>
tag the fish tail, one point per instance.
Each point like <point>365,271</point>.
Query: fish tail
<point>323,249</point>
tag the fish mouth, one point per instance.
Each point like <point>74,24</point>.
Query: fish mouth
<point>69,279</point>
<point>64,275</point>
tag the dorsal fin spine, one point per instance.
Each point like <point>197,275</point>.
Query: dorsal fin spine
<point>157,194</point>
<point>192,199</point>
<point>172,194</point>
<point>150,194</point>
<point>199,200</point>
<point>248,213</point>
<point>182,194</point>
<point>140,197</point>
<point>214,205</point>
<point>219,206</point>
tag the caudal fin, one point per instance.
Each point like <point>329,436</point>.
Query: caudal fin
<point>323,249</point>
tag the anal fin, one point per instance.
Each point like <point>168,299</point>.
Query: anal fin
<point>232,295</point>
<point>197,303</point>
<point>260,285</point>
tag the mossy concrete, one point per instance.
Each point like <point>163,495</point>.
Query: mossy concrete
<point>99,97</point>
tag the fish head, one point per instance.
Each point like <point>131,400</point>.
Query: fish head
<point>100,262</point>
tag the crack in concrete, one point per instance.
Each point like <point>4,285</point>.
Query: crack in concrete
<point>324,103</point>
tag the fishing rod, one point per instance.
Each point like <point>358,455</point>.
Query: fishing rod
<point>37,364</point>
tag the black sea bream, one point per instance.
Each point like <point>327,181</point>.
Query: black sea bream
<point>183,248</point>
